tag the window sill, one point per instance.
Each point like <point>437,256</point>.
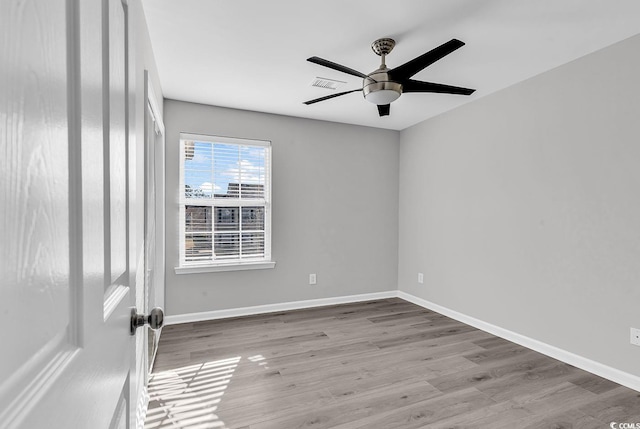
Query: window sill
<point>242,266</point>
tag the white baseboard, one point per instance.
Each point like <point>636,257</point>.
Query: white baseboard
<point>272,308</point>
<point>624,378</point>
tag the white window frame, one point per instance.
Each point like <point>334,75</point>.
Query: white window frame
<point>188,267</point>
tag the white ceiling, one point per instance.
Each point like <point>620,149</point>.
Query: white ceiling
<point>251,54</point>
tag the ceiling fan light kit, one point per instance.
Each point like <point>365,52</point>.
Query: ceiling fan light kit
<point>382,92</point>
<point>383,86</point>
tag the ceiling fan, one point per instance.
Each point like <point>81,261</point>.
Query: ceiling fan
<point>384,85</point>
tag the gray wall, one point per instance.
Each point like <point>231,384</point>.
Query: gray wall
<point>523,208</point>
<point>335,210</point>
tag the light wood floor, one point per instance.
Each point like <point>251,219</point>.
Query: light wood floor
<point>377,365</point>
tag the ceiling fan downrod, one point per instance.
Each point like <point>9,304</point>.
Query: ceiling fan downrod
<point>378,87</point>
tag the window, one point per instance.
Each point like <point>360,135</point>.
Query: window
<point>224,203</point>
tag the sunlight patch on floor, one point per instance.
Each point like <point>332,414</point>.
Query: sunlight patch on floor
<point>187,397</point>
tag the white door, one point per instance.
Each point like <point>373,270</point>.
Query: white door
<point>67,228</point>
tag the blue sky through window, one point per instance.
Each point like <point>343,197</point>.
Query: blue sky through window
<point>209,168</point>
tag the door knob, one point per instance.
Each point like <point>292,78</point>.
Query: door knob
<point>155,319</point>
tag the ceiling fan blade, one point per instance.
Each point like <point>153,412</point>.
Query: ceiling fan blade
<point>336,66</point>
<point>411,85</point>
<point>383,109</point>
<point>330,96</point>
<point>408,69</point>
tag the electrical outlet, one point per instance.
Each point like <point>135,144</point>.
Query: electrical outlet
<point>635,336</point>
<point>312,279</point>
<point>420,278</point>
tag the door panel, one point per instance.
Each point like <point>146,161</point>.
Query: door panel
<point>34,195</point>
<point>64,188</point>
<point>114,54</point>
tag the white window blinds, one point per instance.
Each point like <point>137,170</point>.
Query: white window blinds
<point>225,200</point>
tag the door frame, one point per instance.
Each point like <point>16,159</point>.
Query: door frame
<point>159,162</point>
<point>153,113</point>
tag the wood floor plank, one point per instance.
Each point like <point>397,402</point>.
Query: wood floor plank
<point>425,413</point>
<point>572,419</point>
<point>354,408</point>
<point>554,398</point>
<point>380,364</point>
<point>490,373</point>
<point>593,383</point>
<point>435,332</point>
<point>617,405</point>
<point>490,417</point>
<point>245,411</point>
<point>515,384</point>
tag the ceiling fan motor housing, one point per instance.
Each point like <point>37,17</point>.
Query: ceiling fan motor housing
<point>378,88</point>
